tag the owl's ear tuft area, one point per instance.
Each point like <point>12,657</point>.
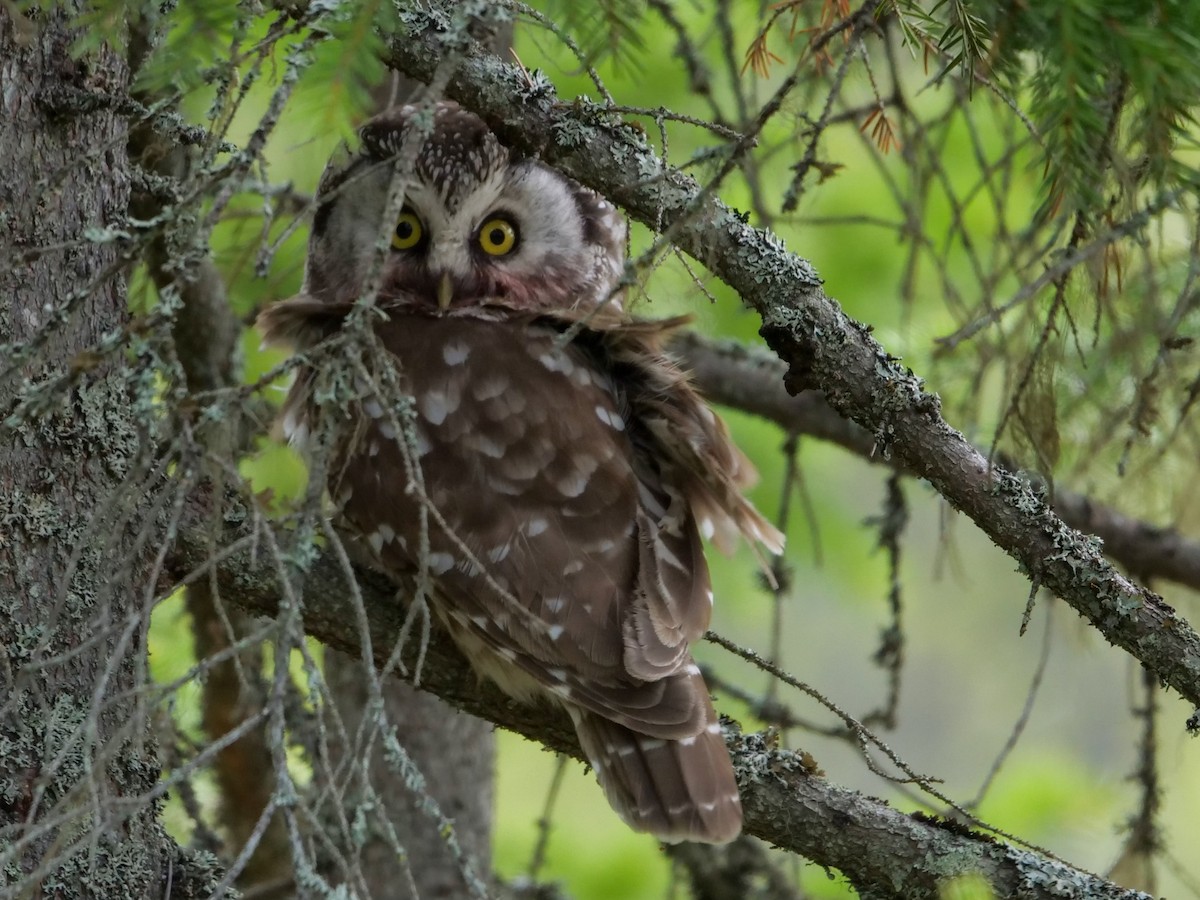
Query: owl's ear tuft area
<point>300,321</point>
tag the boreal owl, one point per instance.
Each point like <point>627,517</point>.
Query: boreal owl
<point>557,471</point>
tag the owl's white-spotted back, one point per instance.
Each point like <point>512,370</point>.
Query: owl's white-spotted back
<point>567,470</point>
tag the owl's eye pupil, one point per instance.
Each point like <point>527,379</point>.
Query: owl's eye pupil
<point>404,230</point>
<point>496,236</point>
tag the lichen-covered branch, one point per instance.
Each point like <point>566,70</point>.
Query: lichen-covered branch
<point>751,380</point>
<point>882,851</point>
<point>822,346</point>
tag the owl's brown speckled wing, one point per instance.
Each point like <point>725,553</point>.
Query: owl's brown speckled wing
<point>569,478</point>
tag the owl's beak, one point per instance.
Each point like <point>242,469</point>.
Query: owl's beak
<point>445,291</point>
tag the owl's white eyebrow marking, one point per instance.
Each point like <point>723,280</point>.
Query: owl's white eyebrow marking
<point>610,417</point>
<point>455,353</point>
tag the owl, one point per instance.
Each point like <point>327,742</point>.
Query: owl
<point>555,472</point>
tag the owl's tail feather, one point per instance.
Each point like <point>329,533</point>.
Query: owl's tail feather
<point>677,790</point>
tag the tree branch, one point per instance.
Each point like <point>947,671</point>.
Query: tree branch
<point>821,345</point>
<point>751,380</point>
<point>882,851</point>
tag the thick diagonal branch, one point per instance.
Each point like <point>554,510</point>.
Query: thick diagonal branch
<point>751,379</point>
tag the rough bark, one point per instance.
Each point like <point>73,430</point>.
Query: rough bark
<point>454,753</point>
<point>78,495</point>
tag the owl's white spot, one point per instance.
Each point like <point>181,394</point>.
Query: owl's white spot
<point>375,539</point>
<point>387,430</point>
<point>440,563</point>
<point>506,653</point>
<point>692,669</point>
<point>713,728</point>
<point>573,485</point>
<point>521,466</point>
<point>536,526</point>
<point>610,417</point>
<point>604,546</point>
<point>455,353</point>
<point>490,388</point>
<point>557,362</point>
<point>420,441</point>
<point>487,446</point>
<point>372,408</point>
<point>573,567</point>
<point>652,744</point>
<point>468,567</point>
<point>373,448</point>
<point>480,621</point>
<point>500,552</point>
<point>388,533</point>
<point>501,486</point>
<point>554,604</point>
<point>436,404</point>
<point>707,528</point>
<point>555,632</point>
<point>557,674</point>
<point>710,598</point>
<point>687,741</point>
<point>624,750</point>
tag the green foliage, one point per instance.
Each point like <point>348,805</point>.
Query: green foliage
<point>607,28</point>
<point>1112,87</point>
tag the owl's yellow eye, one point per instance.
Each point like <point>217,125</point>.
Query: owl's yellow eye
<point>498,237</point>
<point>409,231</point>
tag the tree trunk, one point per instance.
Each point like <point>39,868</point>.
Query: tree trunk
<point>453,752</point>
<point>77,492</point>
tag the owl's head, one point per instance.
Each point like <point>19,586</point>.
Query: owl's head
<point>479,223</point>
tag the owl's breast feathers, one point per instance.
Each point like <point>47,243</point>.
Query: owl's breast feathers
<point>562,478</point>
